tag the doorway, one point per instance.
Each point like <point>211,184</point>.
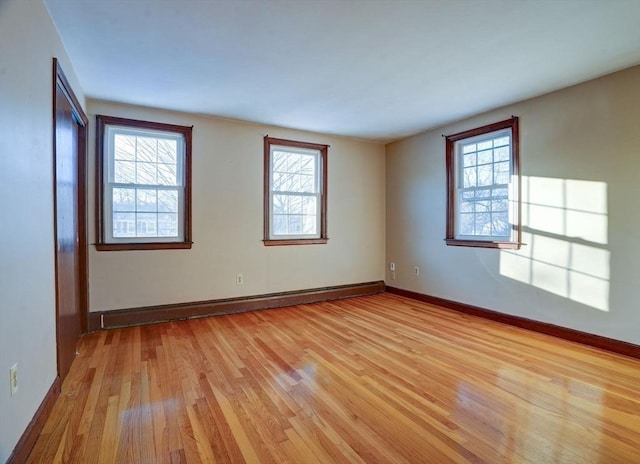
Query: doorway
<point>70,219</point>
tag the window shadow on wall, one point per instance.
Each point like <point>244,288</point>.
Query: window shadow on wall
<point>565,232</point>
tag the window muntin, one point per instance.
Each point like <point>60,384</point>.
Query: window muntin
<point>482,165</point>
<point>144,186</point>
<point>295,192</point>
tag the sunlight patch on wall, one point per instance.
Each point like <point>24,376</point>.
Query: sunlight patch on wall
<point>572,208</point>
<point>564,230</point>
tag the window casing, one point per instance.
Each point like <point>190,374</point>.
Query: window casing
<point>483,182</point>
<point>295,192</point>
<point>144,185</point>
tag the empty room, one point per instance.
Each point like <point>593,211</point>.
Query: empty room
<point>320,231</point>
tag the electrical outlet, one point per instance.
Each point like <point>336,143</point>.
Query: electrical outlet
<point>239,279</point>
<point>416,270</point>
<point>392,266</point>
<point>393,275</point>
<point>13,379</point>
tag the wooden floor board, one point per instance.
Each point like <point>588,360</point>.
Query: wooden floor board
<point>377,379</point>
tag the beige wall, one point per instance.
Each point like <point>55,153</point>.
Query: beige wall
<point>28,42</point>
<point>227,222</point>
<point>580,267</point>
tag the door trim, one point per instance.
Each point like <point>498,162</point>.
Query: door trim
<point>60,81</point>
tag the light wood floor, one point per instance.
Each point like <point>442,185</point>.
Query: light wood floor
<point>366,380</point>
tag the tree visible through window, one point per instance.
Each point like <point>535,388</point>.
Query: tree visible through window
<point>144,171</point>
<point>295,192</point>
<point>483,181</point>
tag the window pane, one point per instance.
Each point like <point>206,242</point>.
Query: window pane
<point>280,204</point>
<point>500,224</point>
<point>308,165</point>
<point>277,182</point>
<point>466,224</point>
<point>279,161</point>
<point>167,174</point>
<point>469,148</point>
<point>485,157</point>
<point>501,141</point>
<point>469,177</point>
<point>483,206</point>
<point>292,162</point>
<point>124,199</point>
<point>279,225</point>
<point>485,175</point>
<point>307,183</point>
<point>124,224</point>
<point>146,200</point>
<point>295,225</point>
<point>146,173</point>
<point>124,147</point>
<point>483,224</point>
<point>168,201</point>
<point>309,206</point>
<point>146,224</point>
<point>309,224</point>
<point>502,173</point>
<point>501,192</point>
<point>168,225</point>
<point>295,204</point>
<point>500,205</point>
<point>293,183</point>
<point>466,207</point>
<point>147,149</point>
<point>284,182</point>
<point>124,172</point>
<point>484,145</point>
<point>469,160</point>
<point>167,151</point>
<point>502,154</point>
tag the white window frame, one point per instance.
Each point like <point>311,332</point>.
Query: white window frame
<point>317,194</point>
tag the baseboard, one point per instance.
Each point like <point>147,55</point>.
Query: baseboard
<point>597,341</point>
<point>170,312</point>
<point>30,435</point>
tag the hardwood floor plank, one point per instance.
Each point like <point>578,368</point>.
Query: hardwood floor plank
<point>376,379</point>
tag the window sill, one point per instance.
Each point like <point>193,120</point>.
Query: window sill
<point>483,244</point>
<point>296,241</point>
<point>144,246</point>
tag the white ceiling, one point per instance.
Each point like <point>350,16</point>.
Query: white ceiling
<point>377,70</point>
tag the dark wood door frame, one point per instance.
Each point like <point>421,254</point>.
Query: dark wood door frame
<point>60,82</point>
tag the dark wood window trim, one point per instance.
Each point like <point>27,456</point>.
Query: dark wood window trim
<point>451,163</point>
<point>323,149</point>
<point>186,131</point>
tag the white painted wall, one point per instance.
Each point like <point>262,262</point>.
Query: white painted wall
<point>580,267</point>
<point>228,222</point>
<point>28,42</point>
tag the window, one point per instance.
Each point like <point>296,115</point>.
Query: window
<point>295,192</point>
<point>144,185</point>
<point>483,209</point>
